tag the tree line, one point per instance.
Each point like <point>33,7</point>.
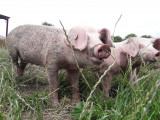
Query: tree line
<point>119,39</point>
<point>115,38</point>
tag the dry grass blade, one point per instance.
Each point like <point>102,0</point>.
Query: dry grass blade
<point>91,93</point>
<point>149,102</point>
<point>74,55</point>
<point>117,23</point>
<point>25,102</point>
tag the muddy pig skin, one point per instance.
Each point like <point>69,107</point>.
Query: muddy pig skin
<point>48,46</point>
<point>138,49</point>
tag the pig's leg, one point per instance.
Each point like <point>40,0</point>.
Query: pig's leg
<point>106,83</point>
<point>14,56</point>
<point>53,83</point>
<point>21,68</point>
<point>74,81</point>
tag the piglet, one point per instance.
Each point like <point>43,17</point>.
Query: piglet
<point>137,49</point>
<point>48,46</point>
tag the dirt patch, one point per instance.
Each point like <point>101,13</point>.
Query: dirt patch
<point>32,87</point>
<point>60,112</point>
<point>51,114</point>
<point>64,114</point>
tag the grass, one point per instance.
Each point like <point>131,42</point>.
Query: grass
<point>2,42</point>
<point>28,97</point>
<point>129,104</point>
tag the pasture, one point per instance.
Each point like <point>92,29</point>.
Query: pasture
<point>28,97</point>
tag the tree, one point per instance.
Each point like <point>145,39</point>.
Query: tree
<point>130,35</point>
<point>117,39</point>
<point>47,24</point>
<point>146,36</point>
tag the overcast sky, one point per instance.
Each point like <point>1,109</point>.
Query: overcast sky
<point>141,17</point>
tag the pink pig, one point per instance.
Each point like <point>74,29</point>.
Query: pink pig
<point>48,46</point>
<point>141,48</point>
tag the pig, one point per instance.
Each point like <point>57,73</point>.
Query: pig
<point>138,49</point>
<point>49,47</point>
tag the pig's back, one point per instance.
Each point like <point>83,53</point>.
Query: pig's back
<point>34,41</point>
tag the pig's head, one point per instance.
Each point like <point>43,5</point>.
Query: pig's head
<point>151,49</point>
<point>146,49</point>
<point>88,42</point>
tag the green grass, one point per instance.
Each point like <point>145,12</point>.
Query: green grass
<point>129,104</point>
<point>28,97</point>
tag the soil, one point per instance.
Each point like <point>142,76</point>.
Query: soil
<point>60,112</point>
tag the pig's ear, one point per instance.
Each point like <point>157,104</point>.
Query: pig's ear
<point>156,43</point>
<point>78,38</point>
<point>131,47</point>
<point>105,36</point>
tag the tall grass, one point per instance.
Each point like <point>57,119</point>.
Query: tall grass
<point>129,104</point>
<point>22,98</point>
<point>28,97</point>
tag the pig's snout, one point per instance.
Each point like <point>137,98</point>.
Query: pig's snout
<point>157,56</point>
<point>100,52</point>
<point>103,52</point>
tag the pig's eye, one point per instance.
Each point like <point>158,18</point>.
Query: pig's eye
<point>102,39</point>
<point>100,50</point>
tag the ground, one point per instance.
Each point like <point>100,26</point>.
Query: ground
<point>60,112</point>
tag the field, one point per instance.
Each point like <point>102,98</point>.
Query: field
<point>28,97</point>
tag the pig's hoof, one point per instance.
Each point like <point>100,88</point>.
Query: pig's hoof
<point>19,73</point>
<point>54,103</point>
<point>76,101</point>
<point>106,96</point>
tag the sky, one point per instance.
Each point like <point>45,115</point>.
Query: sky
<point>141,17</point>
